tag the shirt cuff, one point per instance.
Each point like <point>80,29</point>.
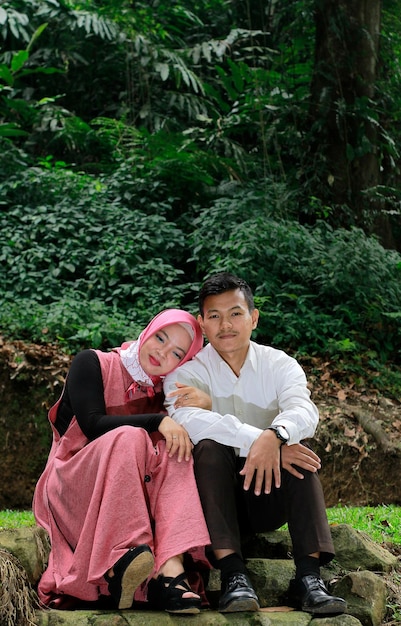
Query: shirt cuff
<point>290,427</point>
<point>246,435</point>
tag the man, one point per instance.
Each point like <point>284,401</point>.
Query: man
<point>252,469</point>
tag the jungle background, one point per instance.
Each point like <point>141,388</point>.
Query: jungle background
<point>146,145</point>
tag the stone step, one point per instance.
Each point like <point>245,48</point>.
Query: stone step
<point>264,617</point>
<point>358,574</point>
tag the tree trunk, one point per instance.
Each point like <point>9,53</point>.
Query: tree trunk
<point>346,58</point>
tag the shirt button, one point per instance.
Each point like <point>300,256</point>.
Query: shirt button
<point>147,478</point>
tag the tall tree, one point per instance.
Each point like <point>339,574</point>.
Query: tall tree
<point>342,99</point>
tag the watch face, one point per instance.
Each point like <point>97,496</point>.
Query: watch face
<point>282,433</point>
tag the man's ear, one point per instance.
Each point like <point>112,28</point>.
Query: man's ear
<point>255,318</point>
<point>200,322</point>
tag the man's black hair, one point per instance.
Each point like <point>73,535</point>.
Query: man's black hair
<point>222,282</point>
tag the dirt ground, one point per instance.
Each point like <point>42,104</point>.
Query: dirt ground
<point>358,438</point>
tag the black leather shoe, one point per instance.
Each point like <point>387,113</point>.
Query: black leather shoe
<point>128,573</point>
<point>238,595</point>
<point>310,595</point>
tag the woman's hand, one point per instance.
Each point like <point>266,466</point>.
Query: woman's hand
<point>190,396</point>
<point>177,439</point>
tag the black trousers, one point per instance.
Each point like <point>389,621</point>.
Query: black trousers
<point>231,512</point>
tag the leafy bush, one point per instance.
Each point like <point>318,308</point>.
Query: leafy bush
<point>320,289</point>
<point>72,321</point>
<point>70,232</point>
<point>69,242</point>
<point>88,260</point>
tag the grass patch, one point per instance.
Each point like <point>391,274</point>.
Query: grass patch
<point>381,523</point>
<point>16,519</point>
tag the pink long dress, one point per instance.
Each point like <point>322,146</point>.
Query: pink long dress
<point>98,498</point>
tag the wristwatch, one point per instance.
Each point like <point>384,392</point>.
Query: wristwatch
<point>281,433</point>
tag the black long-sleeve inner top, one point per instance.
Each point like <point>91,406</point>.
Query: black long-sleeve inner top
<point>83,397</point>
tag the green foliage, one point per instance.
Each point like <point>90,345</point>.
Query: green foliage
<point>381,523</point>
<point>320,290</point>
<point>41,121</point>
<point>202,73</point>
<point>16,519</point>
<point>80,253</point>
<point>73,321</point>
<point>128,134</point>
<point>69,240</point>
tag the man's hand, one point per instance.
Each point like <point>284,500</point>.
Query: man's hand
<point>177,439</point>
<point>300,455</point>
<point>190,396</point>
<point>263,461</point>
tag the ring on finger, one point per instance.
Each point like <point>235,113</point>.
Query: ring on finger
<point>174,436</point>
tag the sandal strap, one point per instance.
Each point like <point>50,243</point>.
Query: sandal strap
<point>178,580</point>
<point>166,593</point>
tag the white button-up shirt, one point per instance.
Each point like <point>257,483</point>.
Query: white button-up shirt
<point>270,389</point>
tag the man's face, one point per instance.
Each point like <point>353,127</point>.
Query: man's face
<point>227,322</point>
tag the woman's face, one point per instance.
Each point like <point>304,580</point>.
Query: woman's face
<point>164,350</point>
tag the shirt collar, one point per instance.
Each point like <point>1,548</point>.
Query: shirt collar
<point>250,359</point>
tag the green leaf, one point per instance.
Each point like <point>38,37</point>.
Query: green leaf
<point>163,70</point>
<point>37,34</point>
<point>350,152</point>
<point>11,130</point>
<point>3,16</point>
<point>19,59</point>
<point>236,76</point>
<point>6,75</point>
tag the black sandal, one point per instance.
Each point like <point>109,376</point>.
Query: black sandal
<point>129,572</point>
<point>164,594</point>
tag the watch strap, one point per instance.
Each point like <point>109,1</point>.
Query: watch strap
<point>278,434</point>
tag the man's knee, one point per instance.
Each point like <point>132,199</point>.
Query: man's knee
<point>205,446</point>
<point>209,447</point>
<point>212,457</point>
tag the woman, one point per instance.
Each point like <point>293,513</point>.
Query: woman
<point>118,503</point>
